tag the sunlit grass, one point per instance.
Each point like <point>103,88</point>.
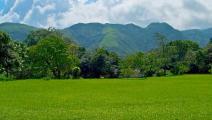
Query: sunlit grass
<point>186,97</point>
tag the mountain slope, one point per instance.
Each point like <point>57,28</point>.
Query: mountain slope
<point>126,39</point>
<point>123,39</point>
<point>17,31</point>
<point>200,36</point>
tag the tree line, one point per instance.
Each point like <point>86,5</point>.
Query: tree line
<point>46,53</point>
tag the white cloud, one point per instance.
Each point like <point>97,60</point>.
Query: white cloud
<point>46,8</point>
<point>11,15</point>
<point>28,15</point>
<point>15,5</point>
<point>182,14</point>
<point>85,13</point>
<point>140,12</point>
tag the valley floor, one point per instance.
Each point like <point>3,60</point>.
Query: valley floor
<point>186,97</point>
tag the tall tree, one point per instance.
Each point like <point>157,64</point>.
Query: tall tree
<point>35,36</point>
<point>183,46</point>
<point>183,56</point>
<point>209,56</point>
<point>163,52</point>
<point>51,56</point>
<point>6,56</point>
<point>132,65</point>
<point>21,68</point>
<point>100,63</point>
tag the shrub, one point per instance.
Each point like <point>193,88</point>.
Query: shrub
<point>76,73</point>
<point>4,78</point>
<point>130,73</point>
<point>161,72</point>
<point>210,70</point>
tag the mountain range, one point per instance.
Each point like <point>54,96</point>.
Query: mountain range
<point>123,39</point>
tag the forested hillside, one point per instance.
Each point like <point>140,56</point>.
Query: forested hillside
<point>17,31</point>
<point>47,53</point>
<point>123,39</point>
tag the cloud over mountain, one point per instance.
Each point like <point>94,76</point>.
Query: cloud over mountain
<point>181,14</point>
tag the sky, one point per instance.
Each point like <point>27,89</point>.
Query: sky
<point>181,14</point>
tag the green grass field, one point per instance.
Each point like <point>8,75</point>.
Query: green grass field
<point>167,98</point>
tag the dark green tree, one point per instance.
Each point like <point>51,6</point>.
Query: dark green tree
<point>208,60</point>
<point>35,36</point>
<point>163,52</point>
<point>6,54</point>
<point>100,63</point>
<point>152,65</point>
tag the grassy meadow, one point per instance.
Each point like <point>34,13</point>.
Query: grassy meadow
<point>187,97</point>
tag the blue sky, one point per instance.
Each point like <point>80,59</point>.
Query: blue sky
<point>182,14</point>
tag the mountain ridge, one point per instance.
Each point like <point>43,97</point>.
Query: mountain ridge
<point>121,38</point>
<point>17,31</point>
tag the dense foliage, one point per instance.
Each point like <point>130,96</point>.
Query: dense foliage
<point>49,54</point>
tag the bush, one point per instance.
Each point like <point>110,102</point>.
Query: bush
<point>4,78</point>
<point>130,73</point>
<point>76,73</point>
<point>160,73</point>
<point>149,73</point>
<point>210,70</point>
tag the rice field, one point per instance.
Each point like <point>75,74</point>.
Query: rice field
<point>187,97</point>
